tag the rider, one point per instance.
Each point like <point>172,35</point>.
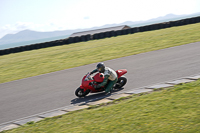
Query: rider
<point>110,77</point>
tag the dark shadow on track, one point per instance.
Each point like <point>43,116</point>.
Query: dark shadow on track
<point>94,97</point>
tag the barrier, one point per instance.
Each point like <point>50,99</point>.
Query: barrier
<point>7,51</point>
<point>141,29</point>
<point>134,30</point>
<point>88,37</point>
<point>108,34</point>
<point>21,49</point>
<point>84,38</point>
<point>13,50</point>
<point>52,43</point>
<point>58,43</point>
<point>70,40</point>
<point>151,27</point>
<point>129,31</point>
<point>187,21</point>
<point>118,32</point>
<point>112,33</point>
<point>76,39</point>
<point>46,44</point>
<point>198,19</point>
<point>18,49</point>
<point>37,46</point>
<point>27,47</point>
<point>167,24</point>
<point>2,52</point>
<point>101,35</point>
<point>125,32</point>
<point>145,28</point>
<point>66,41</point>
<point>95,36</point>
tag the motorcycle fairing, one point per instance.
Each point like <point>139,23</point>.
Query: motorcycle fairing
<point>98,77</point>
<point>121,72</point>
<point>86,84</point>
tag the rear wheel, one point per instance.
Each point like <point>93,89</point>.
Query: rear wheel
<point>120,82</point>
<point>80,92</point>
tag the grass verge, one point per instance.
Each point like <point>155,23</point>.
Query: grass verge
<point>175,109</point>
<point>36,62</point>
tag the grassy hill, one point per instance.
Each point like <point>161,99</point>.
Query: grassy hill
<point>36,62</point>
<point>172,110</point>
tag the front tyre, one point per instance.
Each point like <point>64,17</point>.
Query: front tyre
<point>120,82</point>
<point>80,92</point>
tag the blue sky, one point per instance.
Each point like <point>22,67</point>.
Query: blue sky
<point>51,15</point>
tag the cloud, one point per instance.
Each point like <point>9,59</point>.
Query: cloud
<point>18,26</point>
<point>7,29</point>
<point>86,17</point>
<point>23,25</point>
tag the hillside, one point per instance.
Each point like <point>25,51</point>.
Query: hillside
<point>28,35</point>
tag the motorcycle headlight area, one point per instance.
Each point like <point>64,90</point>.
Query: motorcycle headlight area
<point>89,78</point>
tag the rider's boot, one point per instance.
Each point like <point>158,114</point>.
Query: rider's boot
<point>108,91</point>
<point>110,85</point>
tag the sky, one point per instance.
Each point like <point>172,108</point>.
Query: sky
<point>54,15</point>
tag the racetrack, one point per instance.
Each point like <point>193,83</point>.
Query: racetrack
<point>38,94</point>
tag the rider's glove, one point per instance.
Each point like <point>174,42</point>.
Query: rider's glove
<point>88,73</point>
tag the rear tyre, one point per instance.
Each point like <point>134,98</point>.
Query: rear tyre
<point>121,82</point>
<point>80,92</point>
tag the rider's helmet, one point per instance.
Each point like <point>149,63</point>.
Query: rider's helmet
<point>101,67</point>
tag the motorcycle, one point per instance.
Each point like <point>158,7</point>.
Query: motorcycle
<point>88,83</point>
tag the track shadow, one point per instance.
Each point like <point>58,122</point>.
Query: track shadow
<point>93,97</point>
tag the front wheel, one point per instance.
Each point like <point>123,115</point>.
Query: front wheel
<point>80,92</point>
<point>120,82</point>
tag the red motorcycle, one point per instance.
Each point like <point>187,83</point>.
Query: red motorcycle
<point>88,83</point>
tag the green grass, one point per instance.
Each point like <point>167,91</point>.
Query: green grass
<point>36,62</point>
<point>171,110</point>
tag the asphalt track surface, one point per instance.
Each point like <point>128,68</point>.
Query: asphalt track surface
<point>30,96</point>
